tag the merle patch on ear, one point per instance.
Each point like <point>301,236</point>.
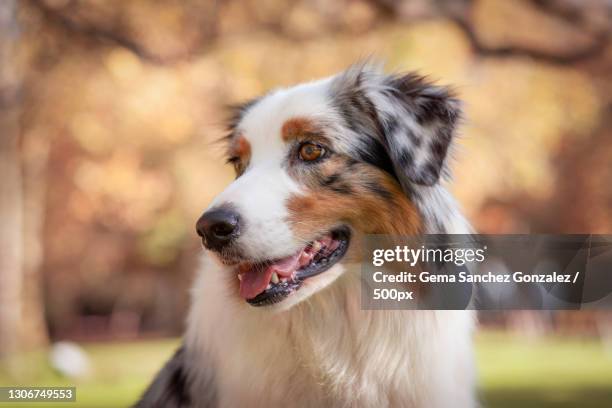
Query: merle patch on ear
<point>412,118</point>
<point>419,120</point>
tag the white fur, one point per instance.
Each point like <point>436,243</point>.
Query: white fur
<point>260,193</point>
<point>326,351</point>
<point>259,196</point>
<point>318,348</point>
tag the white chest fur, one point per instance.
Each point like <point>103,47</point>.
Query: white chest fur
<point>326,351</point>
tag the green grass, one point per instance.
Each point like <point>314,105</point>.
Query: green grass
<point>121,371</point>
<point>552,372</point>
<point>513,372</point>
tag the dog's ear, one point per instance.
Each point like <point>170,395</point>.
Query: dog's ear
<point>418,123</point>
<point>414,119</point>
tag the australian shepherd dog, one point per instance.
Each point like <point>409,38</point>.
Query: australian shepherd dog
<point>276,317</point>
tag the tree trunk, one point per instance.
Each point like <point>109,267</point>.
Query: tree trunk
<point>21,316</point>
<point>34,160</point>
<point>11,206</point>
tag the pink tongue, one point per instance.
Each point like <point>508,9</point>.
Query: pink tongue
<point>255,280</point>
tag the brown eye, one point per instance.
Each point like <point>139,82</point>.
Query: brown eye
<point>311,152</point>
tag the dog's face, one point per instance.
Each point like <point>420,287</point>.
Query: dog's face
<point>318,165</point>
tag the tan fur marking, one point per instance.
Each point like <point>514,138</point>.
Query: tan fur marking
<point>364,210</point>
<point>242,148</point>
<point>296,127</point>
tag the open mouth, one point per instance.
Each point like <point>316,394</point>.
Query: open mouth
<point>270,282</point>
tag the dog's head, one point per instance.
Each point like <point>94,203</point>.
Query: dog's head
<point>319,164</point>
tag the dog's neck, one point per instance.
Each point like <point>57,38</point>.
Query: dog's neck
<point>328,347</point>
<point>440,212</point>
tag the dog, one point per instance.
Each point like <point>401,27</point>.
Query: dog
<point>276,318</point>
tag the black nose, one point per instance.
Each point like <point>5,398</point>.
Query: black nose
<point>218,227</point>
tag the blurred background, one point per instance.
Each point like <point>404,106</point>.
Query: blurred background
<point>108,114</point>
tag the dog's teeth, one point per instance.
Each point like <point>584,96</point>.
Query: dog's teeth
<point>274,279</point>
<point>269,286</point>
<point>316,246</point>
<point>240,277</point>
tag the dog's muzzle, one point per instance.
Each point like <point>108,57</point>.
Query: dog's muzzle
<point>219,227</point>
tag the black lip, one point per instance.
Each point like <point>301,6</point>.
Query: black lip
<point>278,292</point>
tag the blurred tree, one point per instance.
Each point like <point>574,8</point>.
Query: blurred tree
<point>11,215</point>
<point>122,95</point>
<point>183,29</point>
<point>583,26</point>
<point>21,317</point>
<point>562,33</point>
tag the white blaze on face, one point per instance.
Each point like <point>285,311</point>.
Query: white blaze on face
<point>260,194</point>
